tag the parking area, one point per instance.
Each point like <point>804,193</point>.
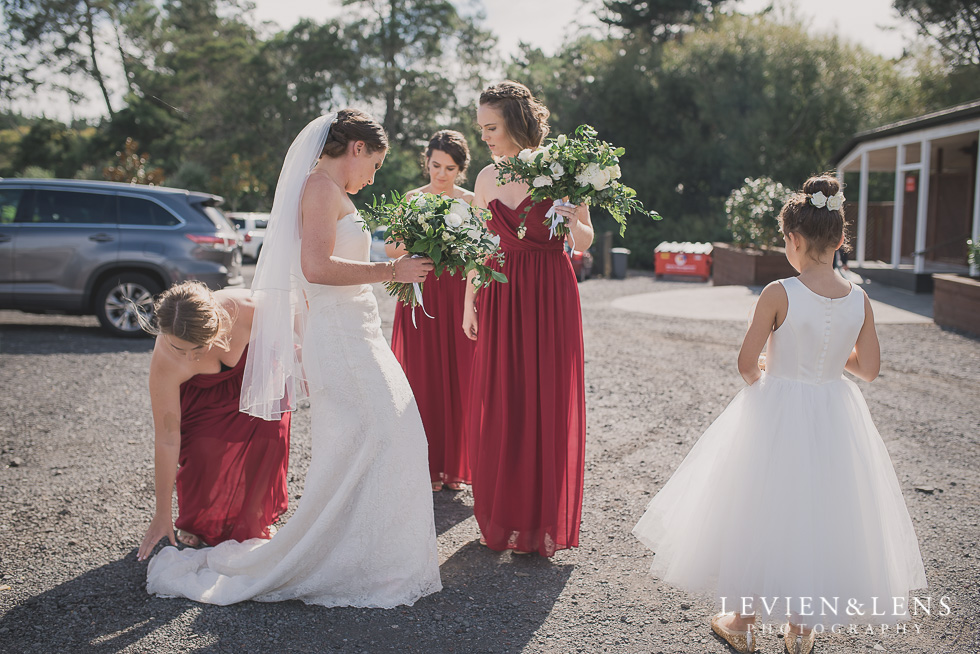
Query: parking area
<point>76,461</point>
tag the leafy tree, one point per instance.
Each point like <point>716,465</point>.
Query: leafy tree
<point>413,57</point>
<point>660,20</point>
<point>131,167</point>
<point>59,36</point>
<point>953,24</point>
<point>50,145</point>
<point>36,172</point>
<point>418,68</point>
<point>745,97</point>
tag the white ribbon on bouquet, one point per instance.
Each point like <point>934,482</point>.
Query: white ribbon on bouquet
<point>557,219</point>
<point>417,287</point>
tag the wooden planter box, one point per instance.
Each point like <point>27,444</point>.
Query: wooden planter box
<point>956,302</point>
<point>743,267</point>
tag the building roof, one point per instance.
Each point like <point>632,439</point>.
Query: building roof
<point>941,117</point>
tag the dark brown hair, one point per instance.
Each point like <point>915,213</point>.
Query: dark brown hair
<point>353,125</point>
<point>190,312</point>
<point>525,118</point>
<point>452,143</point>
<point>821,227</point>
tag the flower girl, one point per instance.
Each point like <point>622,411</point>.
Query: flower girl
<point>788,504</point>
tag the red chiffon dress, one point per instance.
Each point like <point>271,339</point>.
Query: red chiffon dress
<point>437,359</point>
<point>231,483</point>
<point>527,398</point>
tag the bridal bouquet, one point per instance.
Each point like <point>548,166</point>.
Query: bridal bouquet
<point>572,171</point>
<point>450,232</point>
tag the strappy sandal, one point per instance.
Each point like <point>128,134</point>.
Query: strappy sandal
<point>188,539</point>
<point>741,641</point>
<point>798,643</point>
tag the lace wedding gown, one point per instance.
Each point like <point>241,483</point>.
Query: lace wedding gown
<point>363,534</point>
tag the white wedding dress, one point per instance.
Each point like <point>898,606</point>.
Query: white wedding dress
<point>790,493</point>
<point>363,534</point>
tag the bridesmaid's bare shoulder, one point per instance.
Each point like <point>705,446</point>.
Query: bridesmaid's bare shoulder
<point>239,304</point>
<point>485,187</point>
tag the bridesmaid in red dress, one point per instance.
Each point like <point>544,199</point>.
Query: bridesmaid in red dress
<point>527,398</point>
<point>436,356</point>
<point>231,480</point>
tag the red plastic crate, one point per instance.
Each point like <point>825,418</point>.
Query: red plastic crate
<point>682,263</point>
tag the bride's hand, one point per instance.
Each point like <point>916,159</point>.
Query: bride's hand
<point>161,526</point>
<point>409,269</point>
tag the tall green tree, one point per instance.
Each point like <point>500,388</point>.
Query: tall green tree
<point>419,68</point>
<point>952,24</point>
<point>660,20</point>
<point>60,37</point>
<point>413,57</point>
<point>745,97</point>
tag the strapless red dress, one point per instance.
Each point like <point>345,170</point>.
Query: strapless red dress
<point>527,398</point>
<point>437,359</point>
<point>231,483</point>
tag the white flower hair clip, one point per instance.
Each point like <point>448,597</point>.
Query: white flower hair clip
<point>833,203</point>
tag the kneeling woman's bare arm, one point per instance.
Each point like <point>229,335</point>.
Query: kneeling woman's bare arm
<point>165,400</point>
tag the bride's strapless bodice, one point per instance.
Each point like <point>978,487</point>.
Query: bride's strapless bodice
<point>352,242</point>
<point>817,336</point>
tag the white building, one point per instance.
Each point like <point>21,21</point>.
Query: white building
<point>914,196</point>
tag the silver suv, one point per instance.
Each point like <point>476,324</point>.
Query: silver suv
<point>103,248</point>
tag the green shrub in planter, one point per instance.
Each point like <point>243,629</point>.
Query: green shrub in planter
<point>973,253</point>
<point>752,211</point>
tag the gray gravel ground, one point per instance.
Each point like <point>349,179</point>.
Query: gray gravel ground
<point>76,462</point>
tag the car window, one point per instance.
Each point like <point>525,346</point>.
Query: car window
<point>218,219</point>
<point>237,222</point>
<point>9,200</point>
<point>261,224</point>
<point>140,211</point>
<point>70,208</point>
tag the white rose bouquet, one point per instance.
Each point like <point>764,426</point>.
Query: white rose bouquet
<point>450,232</point>
<point>573,171</point>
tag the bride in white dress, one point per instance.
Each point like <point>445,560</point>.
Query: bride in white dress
<point>363,534</point>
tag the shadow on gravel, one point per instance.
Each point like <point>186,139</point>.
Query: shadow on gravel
<point>450,510</point>
<point>490,602</point>
<point>62,339</point>
<point>98,611</point>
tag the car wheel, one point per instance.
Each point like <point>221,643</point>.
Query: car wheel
<point>257,253</point>
<point>119,299</point>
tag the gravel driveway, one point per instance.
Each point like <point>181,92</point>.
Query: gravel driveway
<point>76,461</point>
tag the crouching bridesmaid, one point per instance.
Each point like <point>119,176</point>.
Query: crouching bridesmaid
<point>229,467</point>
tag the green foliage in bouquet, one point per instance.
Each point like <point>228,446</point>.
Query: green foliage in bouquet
<point>752,211</point>
<point>450,232</point>
<point>580,170</point>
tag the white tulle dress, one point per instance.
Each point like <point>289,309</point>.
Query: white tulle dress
<point>790,493</point>
<point>363,534</point>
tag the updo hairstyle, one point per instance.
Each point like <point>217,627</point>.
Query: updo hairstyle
<point>820,226</point>
<point>352,125</point>
<point>190,311</point>
<point>525,118</point>
<point>452,143</point>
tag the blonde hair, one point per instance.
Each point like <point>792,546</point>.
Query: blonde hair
<point>190,311</point>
